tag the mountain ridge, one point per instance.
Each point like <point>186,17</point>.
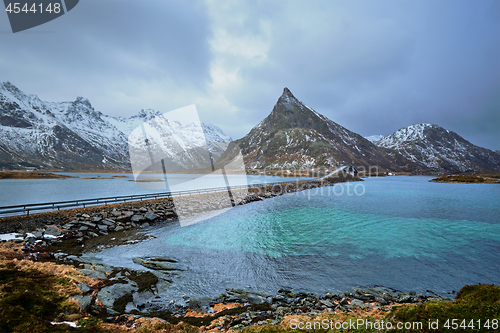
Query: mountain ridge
<point>433,147</point>
<point>74,136</point>
<point>70,135</point>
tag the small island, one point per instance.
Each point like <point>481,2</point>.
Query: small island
<point>470,177</point>
<point>30,175</point>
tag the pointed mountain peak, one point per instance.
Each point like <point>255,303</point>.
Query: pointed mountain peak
<point>287,92</point>
<point>288,98</point>
<point>147,114</point>
<point>10,88</point>
<point>83,100</point>
<point>290,113</point>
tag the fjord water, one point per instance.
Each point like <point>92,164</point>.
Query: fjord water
<point>400,232</point>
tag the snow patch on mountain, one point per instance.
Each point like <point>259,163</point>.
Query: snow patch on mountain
<point>410,133</point>
<point>374,138</point>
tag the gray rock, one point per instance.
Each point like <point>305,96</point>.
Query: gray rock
<point>103,227</point>
<point>145,225</point>
<point>118,228</point>
<point>108,222</point>
<point>116,213</point>
<point>405,299</point>
<point>130,307</point>
<point>84,228</point>
<point>93,274</point>
<point>143,209</point>
<point>96,218</point>
<point>254,299</point>
<point>357,303</point>
<point>84,302</point>
<point>52,232</point>
<point>281,310</point>
<point>137,218</point>
<point>327,303</point>
<point>388,297</point>
<point>108,295</point>
<point>150,216</point>
<point>68,226</point>
<point>51,227</point>
<point>86,216</point>
<point>157,263</point>
<point>83,287</point>
<point>381,300</point>
<point>89,224</point>
<point>37,234</point>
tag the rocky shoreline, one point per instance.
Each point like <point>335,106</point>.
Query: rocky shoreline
<point>128,294</point>
<point>124,297</point>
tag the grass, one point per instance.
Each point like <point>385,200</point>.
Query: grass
<point>473,302</point>
<point>487,177</point>
<point>30,299</point>
<point>30,175</point>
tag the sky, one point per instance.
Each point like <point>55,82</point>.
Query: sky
<point>370,66</point>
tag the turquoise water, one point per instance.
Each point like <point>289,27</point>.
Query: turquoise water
<point>400,232</point>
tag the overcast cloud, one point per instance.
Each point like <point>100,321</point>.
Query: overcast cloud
<point>371,66</point>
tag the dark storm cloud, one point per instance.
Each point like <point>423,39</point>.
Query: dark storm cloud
<point>371,66</point>
<point>105,50</point>
<point>375,67</point>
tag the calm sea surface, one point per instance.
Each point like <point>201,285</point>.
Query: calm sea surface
<point>399,232</point>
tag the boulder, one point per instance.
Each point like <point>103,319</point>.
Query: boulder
<point>137,218</point>
<point>357,303</point>
<point>84,302</point>
<point>150,216</point>
<point>108,295</point>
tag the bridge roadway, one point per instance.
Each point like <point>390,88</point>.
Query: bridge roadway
<point>6,211</point>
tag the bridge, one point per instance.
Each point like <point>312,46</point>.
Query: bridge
<point>27,209</point>
<point>345,168</point>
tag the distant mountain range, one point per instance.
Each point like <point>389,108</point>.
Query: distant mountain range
<point>429,147</point>
<point>296,136</point>
<point>74,136</point>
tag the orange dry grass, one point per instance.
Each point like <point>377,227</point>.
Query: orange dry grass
<point>217,308</point>
<point>68,275</point>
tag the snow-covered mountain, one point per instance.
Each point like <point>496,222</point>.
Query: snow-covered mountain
<point>431,147</point>
<point>73,135</point>
<point>374,138</point>
<point>293,135</point>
